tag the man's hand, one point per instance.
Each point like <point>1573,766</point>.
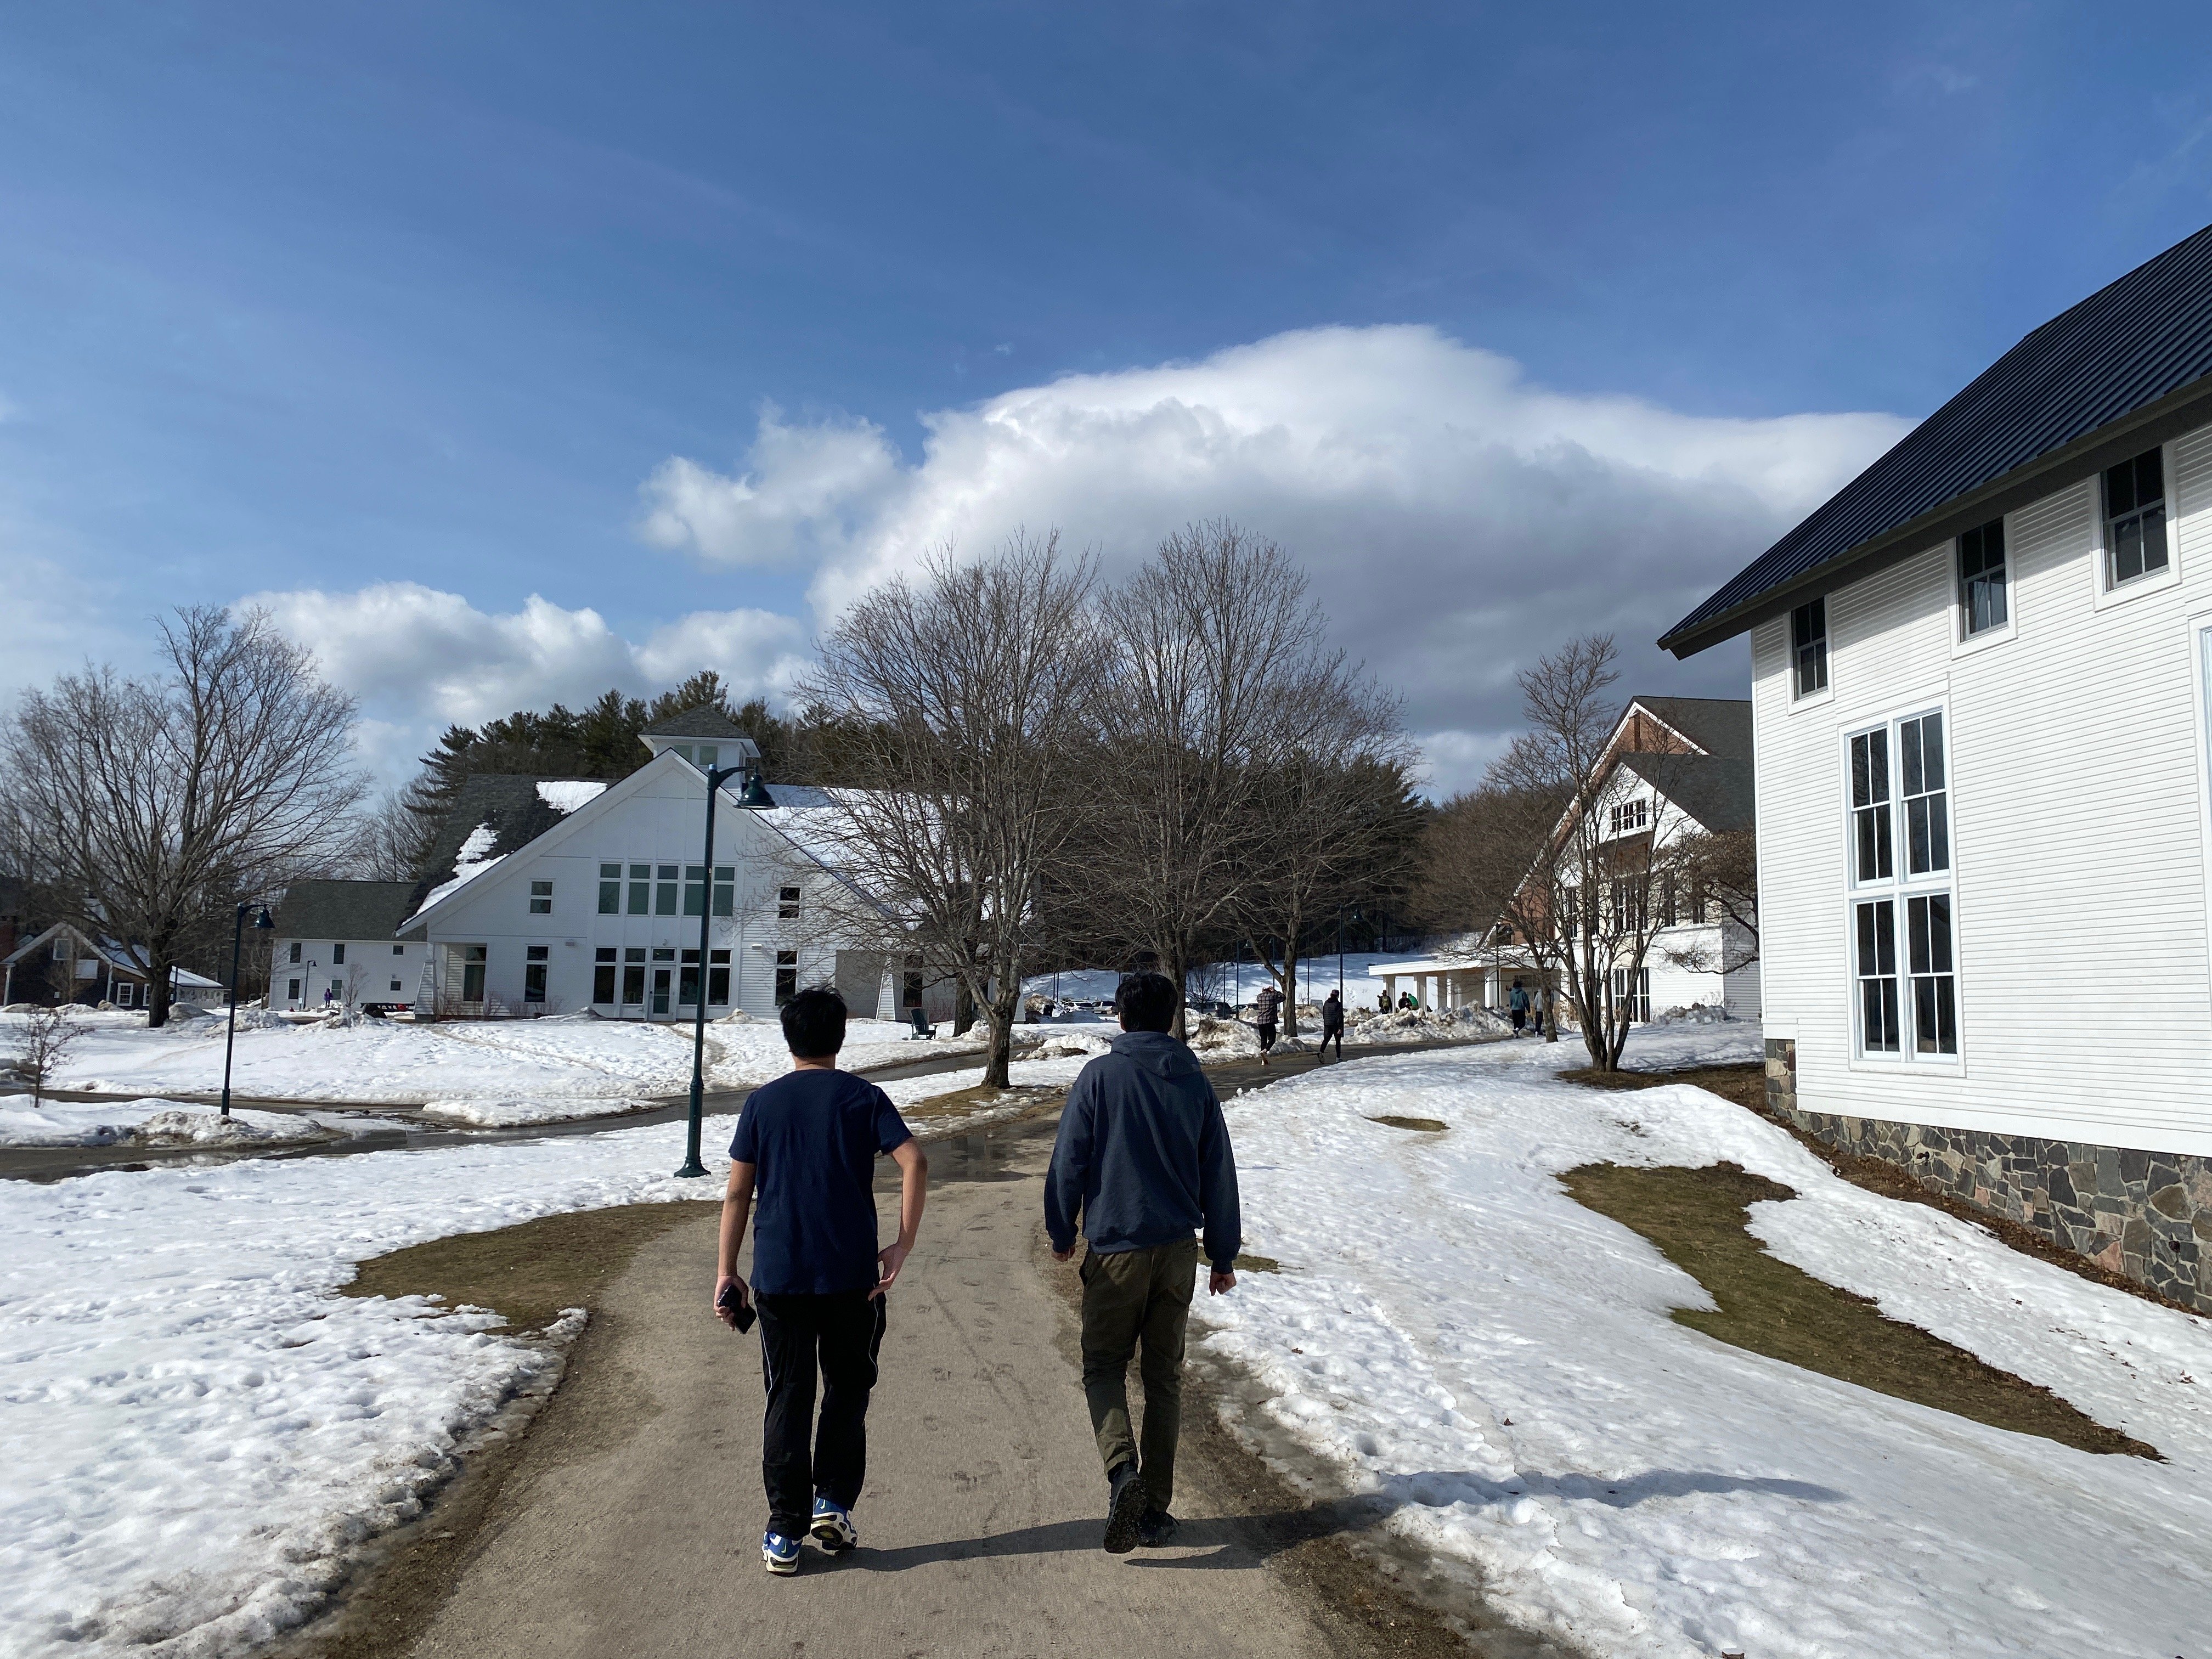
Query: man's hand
<point>1067,1254</point>
<point>728,1316</point>
<point>1219,1281</point>
<point>889,1260</point>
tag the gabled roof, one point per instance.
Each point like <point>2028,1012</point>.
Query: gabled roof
<point>511,806</point>
<point>1718,725</point>
<point>1715,790</point>
<point>344,910</point>
<point>2121,371</point>
<point>700,720</point>
<point>114,952</point>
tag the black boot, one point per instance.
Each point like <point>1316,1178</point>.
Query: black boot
<point>1124,1510</point>
<point>1158,1529</point>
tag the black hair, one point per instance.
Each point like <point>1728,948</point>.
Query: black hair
<point>814,1024</point>
<point>1146,1002</point>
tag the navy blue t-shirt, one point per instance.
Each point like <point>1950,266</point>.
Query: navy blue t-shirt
<point>812,1138</point>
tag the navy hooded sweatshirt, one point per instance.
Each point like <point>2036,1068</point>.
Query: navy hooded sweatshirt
<point>1143,1155</point>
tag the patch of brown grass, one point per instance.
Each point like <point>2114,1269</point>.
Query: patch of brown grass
<point>1699,1219</point>
<point>528,1272</point>
<point>1429,1125</point>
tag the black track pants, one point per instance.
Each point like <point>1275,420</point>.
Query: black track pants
<point>841,1336</point>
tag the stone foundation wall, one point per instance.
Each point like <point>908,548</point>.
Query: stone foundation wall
<point>2147,1215</point>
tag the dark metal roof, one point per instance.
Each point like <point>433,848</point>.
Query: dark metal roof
<point>2140,342</point>
<point>1716,790</point>
<point>344,910</point>
<point>701,720</point>
<point>1719,725</point>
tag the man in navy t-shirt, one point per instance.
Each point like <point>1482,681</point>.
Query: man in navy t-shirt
<point>803,1164</point>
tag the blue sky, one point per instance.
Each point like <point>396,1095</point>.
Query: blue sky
<point>316,303</point>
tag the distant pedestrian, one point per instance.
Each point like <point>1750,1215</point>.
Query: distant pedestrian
<point>1518,1003</point>
<point>1383,1002</point>
<point>1407,1004</point>
<point>1144,1155</point>
<point>804,1154</point>
<point>1264,1008</point>
<point>1332,1025</point>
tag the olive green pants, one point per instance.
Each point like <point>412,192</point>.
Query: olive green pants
<point>1128,1297</point>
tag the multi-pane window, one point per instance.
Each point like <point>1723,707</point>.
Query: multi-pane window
<point>541,898</point>
<point>602,974</point>
<point>718,978</point>
<point>1927,815</point>
<point>1983,601</point>
<point>664,891</point>
<point>295,955</point>
<point>1871,858</point>
<point>1628,817</point>
<point>534,968</point>
<point>641,889</point>
<point>338,954</point>
<point>1632,995</point>
<point>633,983</point>
<point>1809,647</point>
<point>786,976</point>
<point>1628,905</point>
<point>687,988</point>
<point>1935,983</point>
<point>1901,848</point>
<point>1876,965</point>
<point>725,891</point>
<point>787,905</point>
<point>611,889</point>
<point>399,949</point>
<point>2135,518</point>
<point>695,890</point>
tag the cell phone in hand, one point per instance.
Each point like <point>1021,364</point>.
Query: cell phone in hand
<point>737,1307</point>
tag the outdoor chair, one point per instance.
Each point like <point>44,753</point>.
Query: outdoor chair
<point>922,1029</point>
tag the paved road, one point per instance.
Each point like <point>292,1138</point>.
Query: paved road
<point>632,1523</point>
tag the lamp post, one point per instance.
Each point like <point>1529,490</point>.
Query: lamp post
<point>262,924</point>
<point>754,797</point>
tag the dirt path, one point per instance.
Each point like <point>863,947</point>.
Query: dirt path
<point>629,1520</point>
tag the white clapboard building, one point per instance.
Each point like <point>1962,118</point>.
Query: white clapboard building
<point>1979,685</point>
<point>567,895</point>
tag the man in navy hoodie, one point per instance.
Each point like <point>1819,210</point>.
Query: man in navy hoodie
<point>1144,1157</point>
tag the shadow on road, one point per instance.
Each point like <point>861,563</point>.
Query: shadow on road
<point>1244,1541</point>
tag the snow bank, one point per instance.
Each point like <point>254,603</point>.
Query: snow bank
<point>1425,1026</point>
<point>558,1061</point>
<point>513,1114</point>
<point>199,1433</point>
<point>148,1123</point>
<point>1463,1340</point>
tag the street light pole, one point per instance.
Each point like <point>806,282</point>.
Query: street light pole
<point>754,797</point>
<point>261,924</point>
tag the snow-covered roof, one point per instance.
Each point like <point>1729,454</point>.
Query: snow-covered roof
<point>114,952</point>
<point>565,795</point>
<point>474,858</point>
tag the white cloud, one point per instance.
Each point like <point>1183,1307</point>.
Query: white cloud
<point>1457,520</point>
<point>419,659</point>
<point>804,491</point>
<point>1454,761</point>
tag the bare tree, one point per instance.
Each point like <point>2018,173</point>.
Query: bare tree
<point>1211,644</point>
<point>1331,816</point>
<point>967,701</point>
<point>45,1038</point>
<point>1717,871</point>
<point>392,840</point>
<point>1592,899</point>
<point>156,801</point>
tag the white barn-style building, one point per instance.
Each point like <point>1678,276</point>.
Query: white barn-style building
<point>564,894</point>
<point>1672,767</point>
<point>1980,683</point>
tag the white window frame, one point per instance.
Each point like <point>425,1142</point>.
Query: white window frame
<point>2106,594</point>
<point>1815,698</point>
<point>1963,642</point>
<point>1899,888</point>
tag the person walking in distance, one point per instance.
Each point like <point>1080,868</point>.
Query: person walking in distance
<point>1332,1025</point>
<point>1144,1159</point>
<point>1518,1004</point>
<point>1264,1007</point>
<point>803,1162</point>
